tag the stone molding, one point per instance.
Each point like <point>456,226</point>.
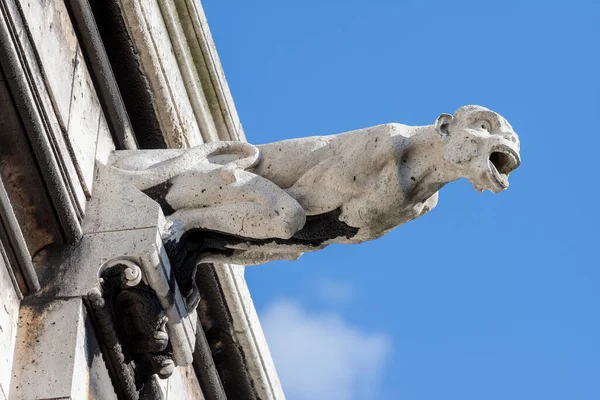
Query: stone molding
<point>23,274</point>
<point>42,121</point>
<point>52,358</point>
<point>159,64</point>
<point>192,39</point>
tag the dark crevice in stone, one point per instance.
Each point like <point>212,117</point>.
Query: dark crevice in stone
<point>217,326</point>
<point>132,83</point>
<point>185,254</point>
<point>158,194</point>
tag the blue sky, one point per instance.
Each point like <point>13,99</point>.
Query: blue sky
<point>486,297</point>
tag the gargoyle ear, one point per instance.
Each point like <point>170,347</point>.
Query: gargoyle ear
<point>441,124</point>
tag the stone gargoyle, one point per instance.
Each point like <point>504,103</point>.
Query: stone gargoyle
<point>246,204</point>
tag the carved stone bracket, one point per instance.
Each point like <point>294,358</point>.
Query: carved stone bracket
<point>121,267</point>
<point>132,329</point>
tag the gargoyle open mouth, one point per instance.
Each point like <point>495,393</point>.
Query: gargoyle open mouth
<point>503,160</point>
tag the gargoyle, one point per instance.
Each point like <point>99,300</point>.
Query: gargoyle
<point>239,203</point>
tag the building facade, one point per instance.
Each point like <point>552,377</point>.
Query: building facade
<point>91,307</point>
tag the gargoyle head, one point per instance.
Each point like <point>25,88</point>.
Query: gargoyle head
<point>481,145</point>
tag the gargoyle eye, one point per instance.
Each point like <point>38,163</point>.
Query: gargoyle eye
<point>484,125</point>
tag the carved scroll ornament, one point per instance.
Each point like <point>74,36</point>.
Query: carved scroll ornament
<point>132,331</point>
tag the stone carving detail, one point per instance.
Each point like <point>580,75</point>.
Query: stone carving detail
<point>132,326</point>
<point>239,203</point>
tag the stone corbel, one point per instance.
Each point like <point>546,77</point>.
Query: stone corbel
<point>121,268</point>
<point>132,326</point>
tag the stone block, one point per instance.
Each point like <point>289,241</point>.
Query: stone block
<point>46,347</point>
<point>9,314</point>
<point>84,118</point>
<point>57,355</point>
<point>183,385</point>
<point>91,381</point>
<point>118,206</point>
<point>56,123</point>
<point>56,45</point>
<point>106,144</point>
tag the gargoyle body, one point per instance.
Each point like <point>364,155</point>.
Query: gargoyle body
<point>248,204</point>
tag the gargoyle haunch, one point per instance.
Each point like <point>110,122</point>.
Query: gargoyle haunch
<point>250,204</point>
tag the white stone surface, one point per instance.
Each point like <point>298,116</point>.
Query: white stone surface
<point>147,29</point>
<point>46,347</point>
<point>248,332</point>
<point>56,44</point>
<point>224,190</point>
<point>378,177</point>
<point>40,22</point>
<point>9,315</point>
<point>191,78</point>
<point>105,144</point>
<point>182,385</point>
<point>94,381</point>
<point>192,20</point>
<point>135,211</point>
<point>52,360</point>
<point>84,118</point>
<point>122,224</point>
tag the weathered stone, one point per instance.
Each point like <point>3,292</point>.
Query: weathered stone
<point>192,20</point>
<point>100,387</point>
<point>175,18</point>
<point>56,44</point>
<point>9,314</point>
<point>159,64</point>
<point>43,88</point>
<point>183,385</point>
<point>84,117</point>
<point>23,180</point>
<point>105,144</point>
<point>54,356</point>
<point>79,274</point>
<point>248,331</point>
<point>233,202</point>
<point>133,330</point>
<point>123,224</point>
